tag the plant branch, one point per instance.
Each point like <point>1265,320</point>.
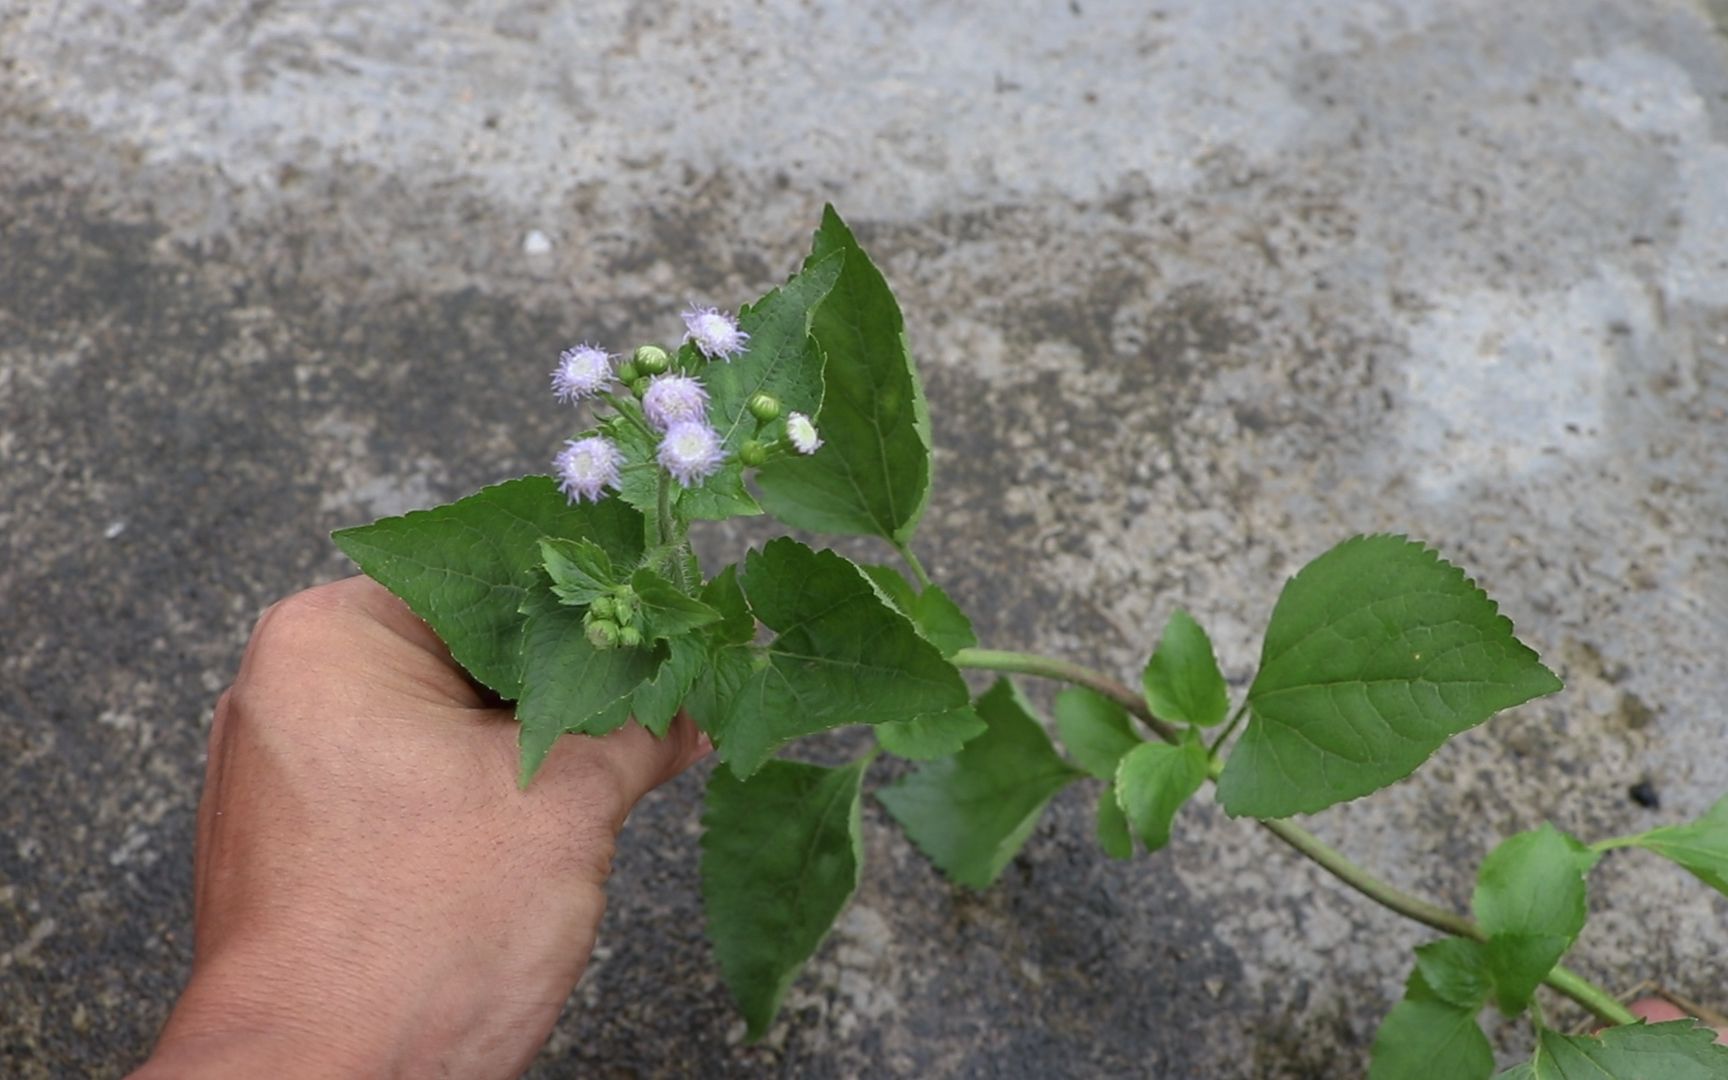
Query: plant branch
<point>912,562</point>
<point>1588,994</point>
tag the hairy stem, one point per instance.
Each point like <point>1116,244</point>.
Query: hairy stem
<point>912,562</point>
<point>1588,994</point>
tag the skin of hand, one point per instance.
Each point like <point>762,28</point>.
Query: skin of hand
<point>374,895</point>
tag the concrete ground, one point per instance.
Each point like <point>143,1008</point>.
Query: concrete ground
<point>1199,288</point>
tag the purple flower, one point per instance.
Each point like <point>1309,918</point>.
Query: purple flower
<point>673,399</point>
<point>802,434</point>
<point>715,333</point>
<point>586,466</point>
<point>691,451</point>
<point>582,372</point>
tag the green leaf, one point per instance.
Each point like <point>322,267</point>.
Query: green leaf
<point>655,703</point>
<point>569,686</point>
<point>937,735</point>
<point>666,609</point>
<point>466,568</point>
<point>780,858</point>
<point>1095,730</point>
<point>937,617</point>
<point>1378,652</point>
<point>872,474</point>
<point>1425,1037</point>
<point>1153,781</point>
<point>1456,970</point>
<point>580,570</point>
<point>1113,834</point>
<point>1182,679</point>
<point>971,812</point>
<point>726,596</point>
<point>841,656</point>
<point>1701,846</point>
<point>1530,899</point>
<point>1677,1050</point>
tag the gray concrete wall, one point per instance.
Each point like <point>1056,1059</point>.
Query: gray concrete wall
<point>1198,289</point>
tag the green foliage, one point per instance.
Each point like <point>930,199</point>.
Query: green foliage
<point>656,702</point>
<point>1455,970</point>
<point>936,735</point>
<point>1095,730</point>
<point>872,474</point>
<point>1182,680</point>
<point>971,812</point>
<point>467,568</point>
<point>580,570</point>
<point>569,686</point>
<point>1113,834</point>
<point>781,855</point>
<point>1677,1050</point>
<point>1700,846</point>
<point>841,656</point>
<point>1377,652</point>
<point>1530,899</point>
<point>668,611</point>
<point>1153,781</point>
<point>1427,1037</point>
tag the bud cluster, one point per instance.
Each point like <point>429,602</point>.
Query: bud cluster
<point>614,621</point>
<point>674,407</point>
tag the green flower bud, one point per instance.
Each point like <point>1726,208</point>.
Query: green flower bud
<point>764,407</point>
<point>601,608</point>
<point>628,372</point>
<point>629,637</point>
<point>640,386</point>
<point>752,453</point>
<point>651,360</point>
<point>603,634</point>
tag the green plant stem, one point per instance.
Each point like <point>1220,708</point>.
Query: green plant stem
<point>1218,743</point>
<point>912,562</point>
<point>1588,994</point>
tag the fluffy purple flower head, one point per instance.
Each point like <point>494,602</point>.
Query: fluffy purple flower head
<point>581,372</point>
<point>586,467</point>
<point>714,332</point>
<point>673,399</point>
<point>691,452</point>
<point>802,434</point>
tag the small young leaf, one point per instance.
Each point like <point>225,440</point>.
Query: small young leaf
<point>1530,899</point>
<point>1700,846</point>
<point>841,656</point>
<point>1183,683</point>
<point>656,702</point>
<point>1095,730</point>
<point>780,858</point>
<point>1378,652</point>
<point>467,567</point>
<point>580,570</point>
<point>872,473</point>
<point>569,686</point>
<point>1426,1037</point>
<point>937,617</point>
<point>667,610</point>
<point>925,737</point>
<point>1456,970</point>
<point>1153,781</point>
<point>1113,834</point>
<point>1677,1050</point>
<point>971,812</point>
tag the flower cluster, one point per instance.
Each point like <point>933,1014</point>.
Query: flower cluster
<point>671,405</point>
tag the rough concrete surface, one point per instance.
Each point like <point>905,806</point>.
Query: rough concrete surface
<point>1198,287</point>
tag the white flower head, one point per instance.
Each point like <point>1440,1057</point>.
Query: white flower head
<point>581,372</point>
<point>802,434</point>
<point>673,399</point>
<point>586,467</point>
<point>691,452</point>
<point>715,333</point>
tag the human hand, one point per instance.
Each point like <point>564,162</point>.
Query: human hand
<point>374,896</point>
